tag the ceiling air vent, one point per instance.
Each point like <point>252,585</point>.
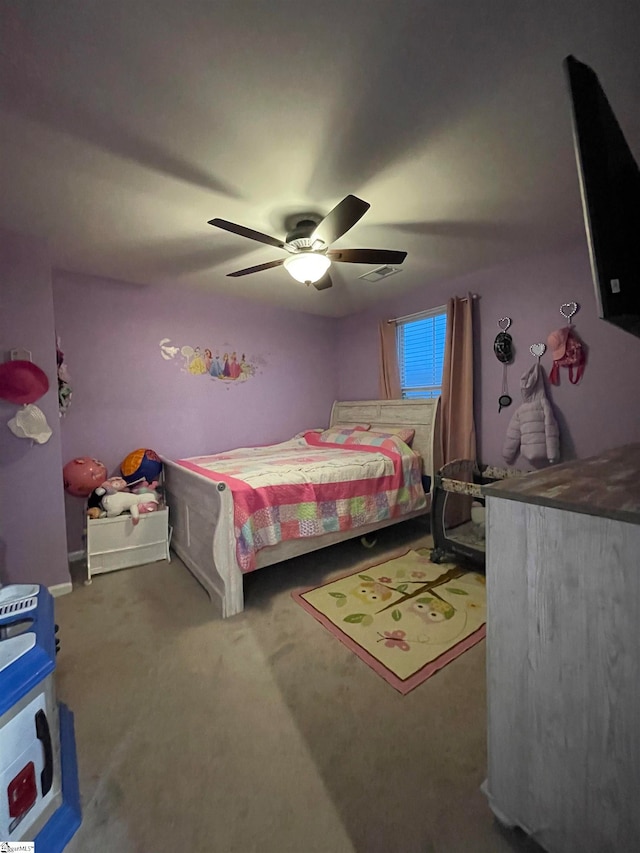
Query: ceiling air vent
<point>381,272</point>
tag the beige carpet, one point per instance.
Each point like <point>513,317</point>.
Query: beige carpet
<point>262,733</point>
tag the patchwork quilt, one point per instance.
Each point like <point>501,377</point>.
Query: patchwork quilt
<point>315,483</point>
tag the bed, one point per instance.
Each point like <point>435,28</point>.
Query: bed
<point>203,515</point>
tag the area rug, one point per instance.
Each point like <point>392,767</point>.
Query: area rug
<point>406,617</point>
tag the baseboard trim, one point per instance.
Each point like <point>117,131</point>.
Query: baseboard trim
<point>59,589</point>
<point>74,556</point>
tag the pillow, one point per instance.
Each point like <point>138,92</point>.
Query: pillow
<point>341,435</point>
<point>351,426</point>
<point>405,434</point>
<point>366,438</point>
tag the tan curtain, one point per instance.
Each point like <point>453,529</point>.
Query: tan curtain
<point>458,427</point>
<point>389,373</point>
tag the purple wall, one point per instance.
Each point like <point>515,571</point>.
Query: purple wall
<point>32,538</point>
<point>602,411</point>
<point>125,395</point>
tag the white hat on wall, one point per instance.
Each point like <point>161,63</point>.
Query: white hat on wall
<point>30,422</point>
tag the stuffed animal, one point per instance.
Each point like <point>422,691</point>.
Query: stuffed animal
<point>120,502</point>
<point>94,501</point>
<point>145,488</point>
<point>113,498</point>
<point>151,496</point>
<point>115,484</point>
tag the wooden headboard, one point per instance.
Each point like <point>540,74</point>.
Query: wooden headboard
<point>421,415</point>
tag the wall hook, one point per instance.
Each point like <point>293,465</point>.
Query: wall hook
<point>538,350</point>
<point>568,309</point>
<point>504,323</point>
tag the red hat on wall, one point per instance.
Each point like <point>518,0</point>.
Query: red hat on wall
<point>22,382</point>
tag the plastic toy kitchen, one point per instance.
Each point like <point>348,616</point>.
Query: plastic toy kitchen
<point>39,796</point>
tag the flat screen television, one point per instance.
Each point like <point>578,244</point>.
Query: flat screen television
<point>610,188</point>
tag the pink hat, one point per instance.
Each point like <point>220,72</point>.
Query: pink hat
<point>557,342</point>
<point>22,382</point>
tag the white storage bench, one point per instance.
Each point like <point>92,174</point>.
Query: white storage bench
<point>118,543</point>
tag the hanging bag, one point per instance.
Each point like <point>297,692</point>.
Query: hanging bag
<point>568,351</point>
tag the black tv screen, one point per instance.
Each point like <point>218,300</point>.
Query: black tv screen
<point>610,188</point>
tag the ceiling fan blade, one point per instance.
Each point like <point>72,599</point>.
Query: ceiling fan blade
<point>339,220</point>
<point>324,283</point>
<point>366,256</point>
<point>247,232</point>
<point>259,268</point>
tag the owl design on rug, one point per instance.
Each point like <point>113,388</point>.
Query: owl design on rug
<point>432,609</point>
<point>371,592</point>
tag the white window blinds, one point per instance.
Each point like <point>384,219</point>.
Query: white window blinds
<point>421,353</point>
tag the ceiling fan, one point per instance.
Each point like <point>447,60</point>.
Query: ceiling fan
<point>308,240</point>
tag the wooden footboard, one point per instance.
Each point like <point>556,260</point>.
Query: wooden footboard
<point>201,513</point>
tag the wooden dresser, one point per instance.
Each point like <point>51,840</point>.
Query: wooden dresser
<point>563,653</point>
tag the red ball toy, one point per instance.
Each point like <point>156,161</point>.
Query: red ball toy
<point>83,475</point>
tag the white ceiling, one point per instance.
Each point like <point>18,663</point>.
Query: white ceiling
<point>125,126</point>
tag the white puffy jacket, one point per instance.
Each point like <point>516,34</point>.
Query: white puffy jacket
<point>533,430</point>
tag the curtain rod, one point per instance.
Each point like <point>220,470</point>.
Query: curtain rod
<point>423,313</point>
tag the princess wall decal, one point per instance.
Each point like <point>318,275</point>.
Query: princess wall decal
<point>222,364</point>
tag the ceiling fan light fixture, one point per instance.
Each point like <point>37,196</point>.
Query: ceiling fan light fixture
<point>308,242</point>
<point>307,267</point>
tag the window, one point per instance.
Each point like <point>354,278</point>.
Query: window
<point>421,353</point>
